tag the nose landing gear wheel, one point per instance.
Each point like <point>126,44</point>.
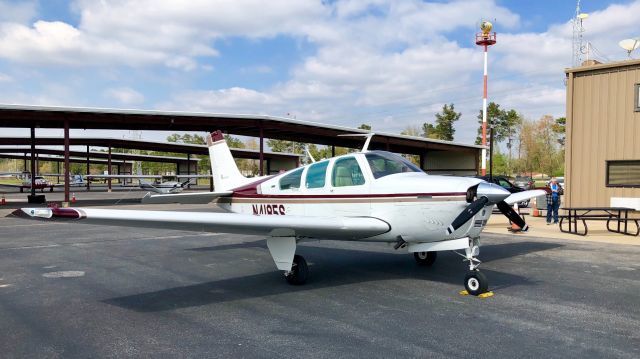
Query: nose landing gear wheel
<point>476,283</point>
<point>425,258</point>
<point>299,271</point>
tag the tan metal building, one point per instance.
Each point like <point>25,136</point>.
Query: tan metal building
<point>602,160</point>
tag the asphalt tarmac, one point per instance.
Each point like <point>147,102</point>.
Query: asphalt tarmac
<point>79,291</point>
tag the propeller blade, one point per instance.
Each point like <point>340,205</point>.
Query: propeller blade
<point>513,216</point>
<point>525,195</point>
<point>467,214</point>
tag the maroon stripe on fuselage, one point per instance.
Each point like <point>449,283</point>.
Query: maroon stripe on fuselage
<point>370,195</point>
<point>249,189</point>
<point>65,213</point>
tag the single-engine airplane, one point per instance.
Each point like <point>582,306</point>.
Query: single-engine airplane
<point>372,196</point>
<point>165,187</point>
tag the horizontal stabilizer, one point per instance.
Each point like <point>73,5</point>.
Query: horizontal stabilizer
<point>184,198</point>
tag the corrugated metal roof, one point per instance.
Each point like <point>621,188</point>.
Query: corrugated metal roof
<point>239,124</point>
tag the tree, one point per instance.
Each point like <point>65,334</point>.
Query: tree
<point>411,130</point>
<point>443,128</point>
<point>429,131</point>
<point>364,126</point>
<point>505,123</point>
<point>286,146</point>
<point>540,150</point>
<point>559,128</point>
<point>233,142</point>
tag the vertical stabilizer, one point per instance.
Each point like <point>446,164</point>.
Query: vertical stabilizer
<point>226,174</point>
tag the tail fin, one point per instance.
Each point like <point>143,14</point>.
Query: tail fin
<point>226,174</point>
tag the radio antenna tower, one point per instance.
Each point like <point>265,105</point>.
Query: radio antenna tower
<point>578,30</point>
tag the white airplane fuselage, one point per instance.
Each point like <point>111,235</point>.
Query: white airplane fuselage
<point>418,207</point>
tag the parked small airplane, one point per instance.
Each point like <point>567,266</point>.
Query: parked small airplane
<point>122,177</point>
<point>372,196</point>
<point>164,187</point>
<point>39,182</point>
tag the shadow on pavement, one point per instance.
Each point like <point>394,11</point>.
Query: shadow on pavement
<point>329,268</point>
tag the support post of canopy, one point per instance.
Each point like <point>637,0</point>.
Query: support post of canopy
<point>333,151</point>
<point>66,161</point>
<point>24,164</point>
<point>188,169</point>
<point>261,150</point>
<point>109,170</point>
<point>88,168</point>
<point>33,161</point>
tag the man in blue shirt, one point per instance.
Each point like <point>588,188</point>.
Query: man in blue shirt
<point>554,190</point>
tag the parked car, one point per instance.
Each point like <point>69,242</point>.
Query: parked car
<point>525,182</point>
<point>504,182</point>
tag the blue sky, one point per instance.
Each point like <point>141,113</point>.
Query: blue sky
<point>389,63</point>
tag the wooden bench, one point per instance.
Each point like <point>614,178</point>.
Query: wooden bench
<point>619,216</point>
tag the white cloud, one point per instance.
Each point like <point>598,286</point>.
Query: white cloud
<point>5,78</point>
<point>125,95</point>
<point>391,63</point>
<point>20,12</point>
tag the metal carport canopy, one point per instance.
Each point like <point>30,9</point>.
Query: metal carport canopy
<point>139,145</point>
<point>22,116</point>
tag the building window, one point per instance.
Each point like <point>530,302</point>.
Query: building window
<point>623,173</point>
<point>637,102</point>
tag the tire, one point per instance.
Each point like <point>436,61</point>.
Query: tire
<point>425,258</point>
<point>476,283</point>
<point>299,271</point>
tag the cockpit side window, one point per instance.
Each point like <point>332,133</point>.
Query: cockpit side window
<point>346,172</point>
<point>316,175</point>
<point>291,180</point>
<point>384,164</point>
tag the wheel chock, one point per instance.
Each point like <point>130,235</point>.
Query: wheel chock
<point>483,295</point>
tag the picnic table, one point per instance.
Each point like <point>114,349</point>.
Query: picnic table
<point>618,216</point>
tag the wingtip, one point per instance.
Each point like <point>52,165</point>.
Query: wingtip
<point>32,213</point>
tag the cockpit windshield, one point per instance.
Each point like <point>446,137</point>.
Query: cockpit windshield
<point>386,163</point>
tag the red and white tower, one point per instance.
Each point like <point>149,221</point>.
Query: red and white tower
<point>485,38</point>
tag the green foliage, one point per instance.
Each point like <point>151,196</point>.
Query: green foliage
<point>286,146</point>
<point>443,128</point>
<point>364,126</point>
<point>505,123</point>
<point>233,142</point>
<point>559,128</point>
<point>539,148</point>
<point>411,130</point>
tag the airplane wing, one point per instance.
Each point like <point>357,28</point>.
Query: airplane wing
<point>523,196</point>
<point>275,226</point>
<point>184,198</point>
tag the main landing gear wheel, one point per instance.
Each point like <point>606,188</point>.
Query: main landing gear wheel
<point>425,258</point>
<point>476,283</point>
<point>299,271</point>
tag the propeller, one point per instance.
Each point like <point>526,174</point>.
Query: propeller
<point>467,214</point>
<point>485,193</point>
<point>513,216</point>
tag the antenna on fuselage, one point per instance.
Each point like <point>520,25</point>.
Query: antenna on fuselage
<point>369,135</point>
<point>306,149</point>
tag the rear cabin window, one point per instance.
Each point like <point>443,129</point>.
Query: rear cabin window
<point>316,175</point>
<point>346,172</point>
<point>292,180</point>
<point>385,163</point>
